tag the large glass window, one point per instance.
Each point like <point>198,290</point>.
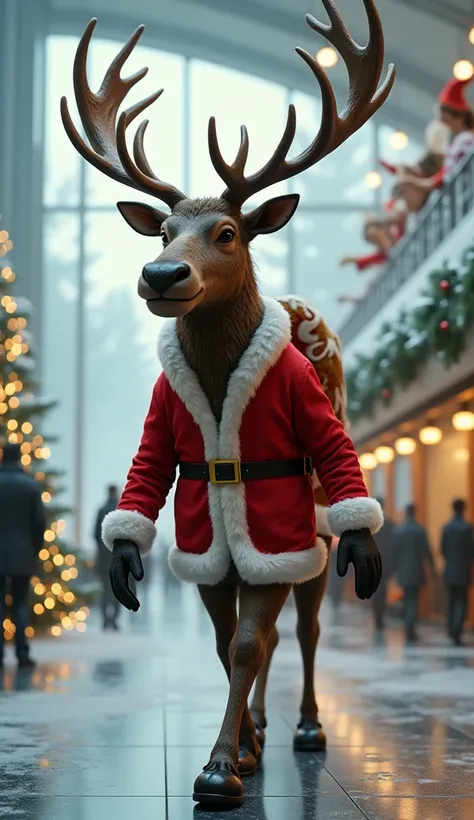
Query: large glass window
<point>99,341</point>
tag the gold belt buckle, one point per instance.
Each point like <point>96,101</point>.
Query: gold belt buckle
<point>228,461</point>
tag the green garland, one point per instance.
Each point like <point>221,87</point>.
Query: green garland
<point>437,326</point>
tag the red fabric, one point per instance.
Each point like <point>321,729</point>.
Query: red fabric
<point>392,169</point>
<point>438,179</point>
<point>453,95</point>
<point>290,416</point>
<point>372,259</point>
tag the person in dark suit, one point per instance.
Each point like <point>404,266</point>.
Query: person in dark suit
<point>22,527</point>
<point>109,604</point>
<point>384,540</point>
<point>411,551</point>
<point>457,547</point>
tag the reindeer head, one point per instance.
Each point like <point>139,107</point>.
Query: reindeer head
<point>205,259</point>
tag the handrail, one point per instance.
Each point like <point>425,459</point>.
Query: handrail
<point>434,223</point>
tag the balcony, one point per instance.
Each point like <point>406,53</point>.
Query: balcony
<point>441,232</point>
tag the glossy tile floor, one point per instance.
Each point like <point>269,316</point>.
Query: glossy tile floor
<point>116,726</point>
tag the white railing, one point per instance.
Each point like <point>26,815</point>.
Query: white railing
<point>443,213</point>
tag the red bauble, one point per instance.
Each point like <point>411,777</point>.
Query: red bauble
<point>444,326</point>
<point>386,393</point>
<point>444,285</point>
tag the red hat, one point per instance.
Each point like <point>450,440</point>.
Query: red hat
<point>452,95</point>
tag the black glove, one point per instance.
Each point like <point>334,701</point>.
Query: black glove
<point>358,547</point>
<point>126,559</point>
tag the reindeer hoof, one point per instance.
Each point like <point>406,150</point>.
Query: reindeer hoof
<point>219,785</point>
<point>309,737</point>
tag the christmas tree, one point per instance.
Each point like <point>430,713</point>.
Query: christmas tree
<point>57,602</point>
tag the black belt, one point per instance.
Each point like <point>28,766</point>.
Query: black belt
<point>228,471</point>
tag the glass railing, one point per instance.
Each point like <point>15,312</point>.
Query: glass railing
<point>444,211</point>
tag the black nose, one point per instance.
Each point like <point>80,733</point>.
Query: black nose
<point>161,275</point>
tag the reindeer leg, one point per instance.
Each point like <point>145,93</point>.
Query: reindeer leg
<point>259,609</point>
<point>221,604</point>
<point>309,735</point>
<point>257,707</point>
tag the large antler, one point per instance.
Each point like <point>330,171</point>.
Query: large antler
<point>98,112</point>
<point>364,66</point>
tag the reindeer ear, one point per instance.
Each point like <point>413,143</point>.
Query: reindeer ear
<point>142,218</point>
<point>272,215</point>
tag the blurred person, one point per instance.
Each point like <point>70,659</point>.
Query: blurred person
<point>109,604</point>
<point>411,551</point>
<point>455,112</point>
<point>22,528</point>
<point>385,544</point>
<point>376,232</point>
<point>457,548</point>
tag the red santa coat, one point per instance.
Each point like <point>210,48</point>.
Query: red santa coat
<point>275,409</point>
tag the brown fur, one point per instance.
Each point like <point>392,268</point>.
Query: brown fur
<point>214,340</point>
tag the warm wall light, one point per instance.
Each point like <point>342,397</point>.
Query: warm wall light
<point>373,179</point>
<point>464,420</point>
<point>430,435</point>
<point>471,36</point>
<point>384,455</point>
<point>463,70</point>
<point>368,461</point>
<point>398,141</point>
<point>327,57</point>
<point>461,455</point>
<point>405,446</point>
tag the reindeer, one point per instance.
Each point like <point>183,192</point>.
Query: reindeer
<point>237,410</point>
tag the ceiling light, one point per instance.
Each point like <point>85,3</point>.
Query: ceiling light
<point>471,36</point>
<point>373,179</point>
<point>327,57</point>
<point>464,420</point>
<point>384,455</point>
<point>368,461</point>
<point>405,446</point>
<point>398,140</point>
<point>430,435</point>
<point>463,70</point>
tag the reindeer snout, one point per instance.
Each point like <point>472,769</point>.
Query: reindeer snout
<point>161,275</point>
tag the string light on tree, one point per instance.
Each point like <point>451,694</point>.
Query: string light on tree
<point>53,600</point>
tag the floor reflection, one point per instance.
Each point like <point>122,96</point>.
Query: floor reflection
<point>114,724</point>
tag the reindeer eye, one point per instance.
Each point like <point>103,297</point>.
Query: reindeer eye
<point>164,238</point>
<point>226,236</point>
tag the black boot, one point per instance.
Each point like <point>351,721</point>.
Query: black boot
<point>250,756</point>
<point>219,785</point>
<point>309,736</point>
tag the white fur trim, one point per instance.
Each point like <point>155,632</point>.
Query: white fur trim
<point>322,523</point>
<point>227,504</point>
<point>355,514</point>
<point>130,526</point>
